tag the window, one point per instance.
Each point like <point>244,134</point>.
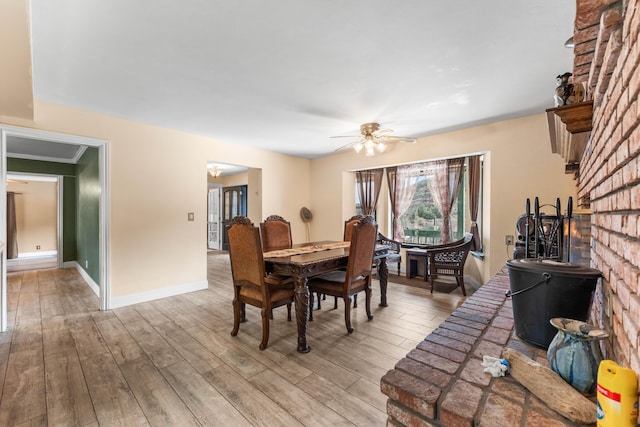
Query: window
<point>422,221</point>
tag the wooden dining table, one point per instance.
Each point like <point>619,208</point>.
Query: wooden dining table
<point>307,260</point>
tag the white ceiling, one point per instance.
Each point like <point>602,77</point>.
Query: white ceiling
<point>287,75</point>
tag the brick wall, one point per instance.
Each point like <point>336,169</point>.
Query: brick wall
<point>607,53</point>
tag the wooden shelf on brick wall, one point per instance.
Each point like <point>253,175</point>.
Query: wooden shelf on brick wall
<point>569,129</point>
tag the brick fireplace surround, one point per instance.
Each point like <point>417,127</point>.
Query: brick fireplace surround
<point>441,382</point>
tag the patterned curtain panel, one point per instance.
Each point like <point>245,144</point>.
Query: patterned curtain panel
<point>446,176</point>
<point>402,187</point>
<point>368,184</point>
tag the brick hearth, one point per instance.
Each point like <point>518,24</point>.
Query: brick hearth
<point>441,382</point>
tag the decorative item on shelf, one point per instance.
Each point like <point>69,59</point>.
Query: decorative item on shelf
<point>574,353</point>
<point>568,93</point>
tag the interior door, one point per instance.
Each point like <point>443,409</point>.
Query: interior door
<point>234,203</point>
<point>214,240</point>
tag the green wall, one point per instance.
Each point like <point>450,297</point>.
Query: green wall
<point>69,186</point>
<point>88,213</point>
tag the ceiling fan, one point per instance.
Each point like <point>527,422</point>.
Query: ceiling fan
<point>373,139</point>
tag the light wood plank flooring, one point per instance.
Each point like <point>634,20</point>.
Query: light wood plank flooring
<point>174,362</point>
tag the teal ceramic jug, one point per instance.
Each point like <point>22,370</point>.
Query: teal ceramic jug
<point>574,353</point>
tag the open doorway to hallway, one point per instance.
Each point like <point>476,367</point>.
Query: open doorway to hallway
<point>32,222</point>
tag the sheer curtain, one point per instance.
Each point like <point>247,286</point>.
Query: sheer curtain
<point>402,187</point>
<point>474,199</point>
<point>443,185</point>
<point>368,184</point>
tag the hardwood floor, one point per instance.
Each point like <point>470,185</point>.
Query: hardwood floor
<point>174,362</point>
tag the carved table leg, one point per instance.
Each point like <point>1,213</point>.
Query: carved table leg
<point>383,277</point>
<point>302,313</point>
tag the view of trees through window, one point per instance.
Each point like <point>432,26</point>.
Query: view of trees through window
<point>422,220</point>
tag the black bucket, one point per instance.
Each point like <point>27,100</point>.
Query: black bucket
<point>544,289</point>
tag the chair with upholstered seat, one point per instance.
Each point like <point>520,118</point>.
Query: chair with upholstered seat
<point>251,284</point>
<point>448,260</point>
<point>276,234</point>
<point>357,277</point>
<point>348,226</point>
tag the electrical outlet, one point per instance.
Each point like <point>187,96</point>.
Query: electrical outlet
<point>508,240</point>
<point>190,216</point>
<point>37,247</point>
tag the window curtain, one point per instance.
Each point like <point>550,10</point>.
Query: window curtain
<point>12,229</point>
<point>368,183</point>
<point>474,200</point>
<point>443,185</point>
<point>402,187</point>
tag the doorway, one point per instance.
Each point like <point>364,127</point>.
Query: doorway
<point>234,203</point>
<point>45,141</point>
<point>33,222</point>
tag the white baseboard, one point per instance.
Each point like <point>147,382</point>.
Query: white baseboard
<point>155,294</point>
<point>39,254</point>
<point>93,285</point>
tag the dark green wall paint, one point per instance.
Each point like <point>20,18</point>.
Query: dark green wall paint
<point>69,190</point>
<point>88,213</point>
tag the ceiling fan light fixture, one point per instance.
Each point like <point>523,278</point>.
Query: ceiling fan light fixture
<point>373,141</point>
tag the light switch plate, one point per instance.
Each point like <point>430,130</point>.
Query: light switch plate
<point>190,216</point>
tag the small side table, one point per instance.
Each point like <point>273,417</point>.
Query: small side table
<point>416,262</point>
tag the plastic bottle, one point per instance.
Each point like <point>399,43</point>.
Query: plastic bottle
<point>617,395</point>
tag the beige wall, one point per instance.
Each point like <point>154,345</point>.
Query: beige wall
<point>157,175</point>
<point>153,246</point>
<point>518,165</point>
<point>36,215</point>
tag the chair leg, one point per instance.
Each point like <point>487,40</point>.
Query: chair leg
<point>335,303</point>
<point>355,300</point>
<point>243,313</point>
<point>318,294</point>
<point>431,279</point>
<point>265,327</point>
<point>236,318</point>
<point>289,312</point>
<point>460,281</point>
<point>311,306</point>
<point>367,297</point>
<point>347,314</point>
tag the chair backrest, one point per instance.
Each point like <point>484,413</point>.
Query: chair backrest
<point>245,252</point>
<point>276,234</point>
<point>363,244</point>
<point>452,253</point>
<point>393,244</point>
<point>348,226</point>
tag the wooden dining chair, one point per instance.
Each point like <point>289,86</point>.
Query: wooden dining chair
<point>348,226</point>
<point>276,234</point>
<point>347,233</point>
<point>357,277</point>
<point>251,284</point>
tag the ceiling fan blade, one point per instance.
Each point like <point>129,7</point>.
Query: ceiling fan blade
<point>389,138</point>
<point>381,131</point>
<point>345,136</point>
<point>351,144</point>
